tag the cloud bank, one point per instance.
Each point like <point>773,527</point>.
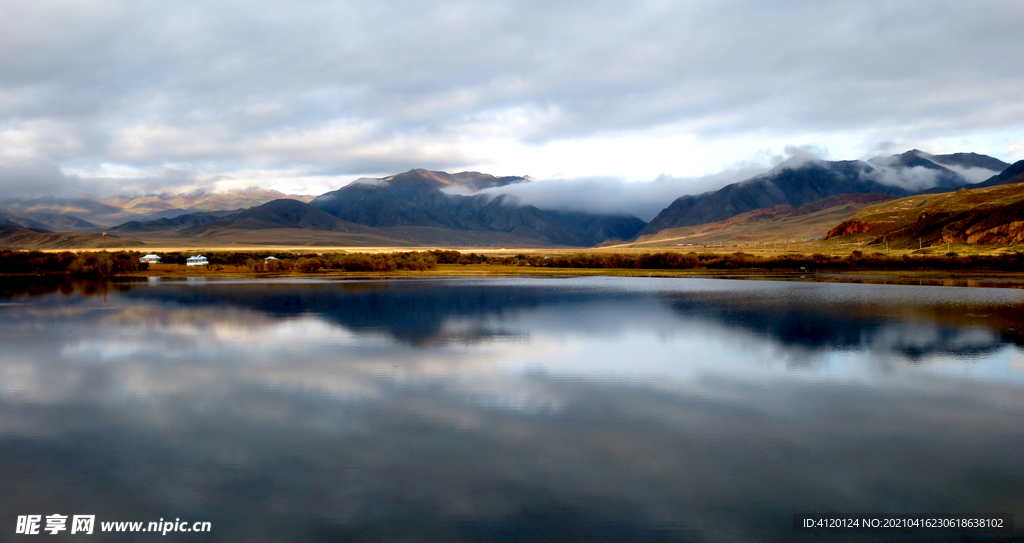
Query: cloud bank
<point>643,199</point>
<point>307,96</point>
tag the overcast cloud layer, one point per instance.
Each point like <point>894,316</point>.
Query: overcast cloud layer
<point>304,96</point>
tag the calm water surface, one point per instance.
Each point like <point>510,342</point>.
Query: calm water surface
<point>525,409</point>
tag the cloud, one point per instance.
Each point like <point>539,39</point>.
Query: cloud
<point>1016,148</point>
<point>919,177</point>
<point>807,151</point>
<point>644,199</point>
<point>113,181</point>
<point>914,179</point>
<point>339,89</point>
<point>30,178</point>
<point>972,175</point>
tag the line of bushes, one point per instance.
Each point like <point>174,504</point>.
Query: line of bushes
<point>818,262</point>
<point>92,264</point>
<point>104,264</point>
<point>107,264</point>
<point>353,262</point>
<point>312,262</point>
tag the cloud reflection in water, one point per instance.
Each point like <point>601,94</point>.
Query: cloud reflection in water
<point>582,409</point>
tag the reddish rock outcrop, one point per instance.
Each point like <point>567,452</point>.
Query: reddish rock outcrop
<point>850,228</point>
<point>1003,234</point>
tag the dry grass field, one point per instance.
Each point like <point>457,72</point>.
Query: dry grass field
<point>761,248</point>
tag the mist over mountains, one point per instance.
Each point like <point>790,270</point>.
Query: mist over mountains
<point>419,198</point>
<point>913,171</point>
<point>801,180</point>
<point>421,206</point>
<point>643,199</point>
<point>415,207</point>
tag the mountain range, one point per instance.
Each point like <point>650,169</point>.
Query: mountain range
<point>440,200</point>
<point>88,213</point>
<point>418,207</point>
<point>799,181</point>
<point>423,207</point>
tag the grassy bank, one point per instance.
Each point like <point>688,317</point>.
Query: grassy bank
<point>449,262</point>
<point>427,261</point>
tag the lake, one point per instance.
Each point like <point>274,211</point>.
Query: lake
<point>507,409</point>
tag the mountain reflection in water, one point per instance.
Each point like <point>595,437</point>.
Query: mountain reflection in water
<point>590,409</point>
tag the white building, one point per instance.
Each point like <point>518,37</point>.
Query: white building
<point>198,260</point>
<point>150,258</point>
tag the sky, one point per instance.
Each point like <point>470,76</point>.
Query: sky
<point>109,97</point>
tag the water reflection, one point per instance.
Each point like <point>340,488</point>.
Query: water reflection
<point>592,409</point>
<point>927,322</point>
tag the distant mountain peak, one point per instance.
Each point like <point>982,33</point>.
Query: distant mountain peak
<point>420,179</point>
<point>911,159</point>
<point>421,198</point>
<point>954,160</point>
<point>798,162</point>
<point>971,161</point>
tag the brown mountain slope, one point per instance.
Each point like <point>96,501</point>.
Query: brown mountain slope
<point>77,213</point>
<point>402,236</point>
<point>810,221</point>
<point>25,238</point>
<point>290,222</point>
<point>988,216</point>
<point>283,213</point>
<point>201,201</point>
<point>278,236</point>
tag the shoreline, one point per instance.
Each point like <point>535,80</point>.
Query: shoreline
<point>983,279</point>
